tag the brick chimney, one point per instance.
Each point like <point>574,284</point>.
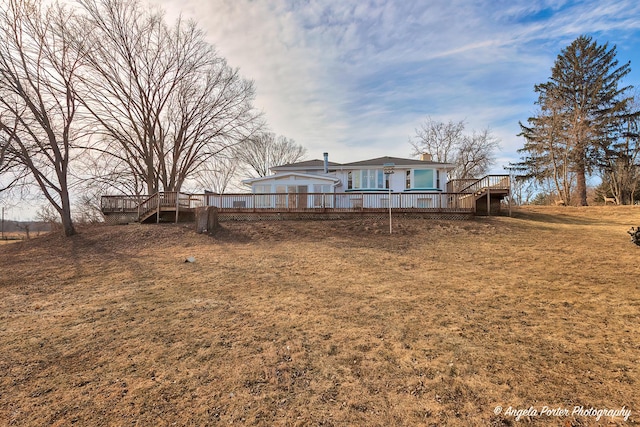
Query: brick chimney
<point>426,157</point>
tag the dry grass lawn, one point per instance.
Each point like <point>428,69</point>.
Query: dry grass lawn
<point>326,323</point>
<point>12,237</point>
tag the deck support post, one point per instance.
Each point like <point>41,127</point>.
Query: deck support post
<point>488,202</point>
<point>158,211</point>
<point>388,170</point>
<point>177,205</point>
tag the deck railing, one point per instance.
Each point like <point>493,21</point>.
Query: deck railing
<point>124,203</point>
<point>501,182</point>
<point>144,204</point>
<point>460,197</point>
<point>290,202</point>
<point>335,201</point>
<point>457,185</point>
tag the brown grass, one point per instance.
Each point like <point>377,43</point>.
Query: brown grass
<point>12,237</point>
<point>327,323</point>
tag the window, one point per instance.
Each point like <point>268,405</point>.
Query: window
<point>423,178</point>
<point>281,198</point>
<point>356,179</point>
<point>264,200</point>
<point>367,179</point>
<point>322,198</point>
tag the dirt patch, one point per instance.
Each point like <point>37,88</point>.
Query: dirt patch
<point>324,322</point>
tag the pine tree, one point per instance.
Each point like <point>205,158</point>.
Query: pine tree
<point>546,147</point>
<point>583,94</point>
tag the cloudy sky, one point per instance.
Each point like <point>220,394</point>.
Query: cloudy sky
<point>356,77</point>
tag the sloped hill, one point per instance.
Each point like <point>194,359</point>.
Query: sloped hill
<point>323,323</point>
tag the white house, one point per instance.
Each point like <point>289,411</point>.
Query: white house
<point>321,183</point>
<point>324,187</point>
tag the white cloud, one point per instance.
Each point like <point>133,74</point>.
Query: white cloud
<point>356,77</point>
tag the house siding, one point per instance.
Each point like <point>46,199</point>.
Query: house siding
<point>308,178</point>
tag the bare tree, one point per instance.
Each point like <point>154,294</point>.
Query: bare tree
<point>439,139</point>
<point>37,99</point>
<point>105,173</point>
<point>621,157</point>
<point>265,151</point>
<point>472,154</point>
<point>217,174</point>
<point>12,173</point>
<point>163,99</point>
<point>476,154</point>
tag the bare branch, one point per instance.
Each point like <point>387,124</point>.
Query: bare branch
<point>37,102</point>
<point>265,151</point>
<point>163,97</point>
<point>472,154</point>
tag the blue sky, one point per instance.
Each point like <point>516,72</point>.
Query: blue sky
<point>355,78</point>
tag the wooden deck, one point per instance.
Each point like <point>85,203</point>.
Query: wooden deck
<point>474,197</point>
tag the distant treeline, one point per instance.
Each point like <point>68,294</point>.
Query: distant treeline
<point>23,226</point>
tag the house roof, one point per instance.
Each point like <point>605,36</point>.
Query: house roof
<point>379,161</point>
<point>307,164</point>
<point>286,174</point>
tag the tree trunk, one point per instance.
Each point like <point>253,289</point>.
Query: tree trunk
<point>581,186</point>
<point>65,216</point>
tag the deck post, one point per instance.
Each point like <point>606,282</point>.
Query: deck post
<point>158,211</point>
<point>177,205</point>
<point>388,169</point>
<point>488,201</point>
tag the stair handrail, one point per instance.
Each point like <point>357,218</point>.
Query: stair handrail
<point>147,205</point>
<point>478,185</point>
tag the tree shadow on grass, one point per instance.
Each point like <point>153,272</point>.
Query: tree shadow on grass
<point>555,219</point>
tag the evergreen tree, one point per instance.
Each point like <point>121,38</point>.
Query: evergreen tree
<point>547,155</point>
<point>582,106</point>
